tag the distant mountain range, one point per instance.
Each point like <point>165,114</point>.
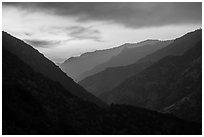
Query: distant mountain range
<point>92,62</point>
<point>75,66</point>
<point>111,77</point>
<point>152,81</point>
<point>128,55</point>
<point>35,100</point>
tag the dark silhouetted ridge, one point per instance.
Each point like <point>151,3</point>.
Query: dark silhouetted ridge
<point>41,64</point>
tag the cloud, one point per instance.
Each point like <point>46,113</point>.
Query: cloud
<point>76,32</point>
<point>42,43</point>
<point>135,15</point>
<point>81,33</point>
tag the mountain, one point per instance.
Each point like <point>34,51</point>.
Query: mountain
<point>76,66</point>
<point>128,55</point>
<point>33,104</point>
<point>163,83</point>
<point>192,101</point>
<point>177,48</point>
<point>42,65</point>
<point>110,78</point>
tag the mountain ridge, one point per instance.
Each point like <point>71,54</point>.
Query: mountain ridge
<point>76,66</point>
<point>110,78</point>
<point>128,56</point>
<point>41,64</point>
<point>161,84</point>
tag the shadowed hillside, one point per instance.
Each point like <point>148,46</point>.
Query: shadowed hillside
<point>162,84</point>
<point>40,64</point>
<point>193,101</point>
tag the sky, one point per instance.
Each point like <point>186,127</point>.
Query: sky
<point>64,29</point>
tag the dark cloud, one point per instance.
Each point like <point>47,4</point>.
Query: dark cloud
<point>129,14</point>
<point>81,33</point>
<point>42,43</point>
<point>76,32</point>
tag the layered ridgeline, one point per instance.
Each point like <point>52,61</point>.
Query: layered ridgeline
<point>35,104</point>
<point>84,65</point>
<point>128,55</point>
<point>110,78</point>
<point>170,80</point>
<point>41,64</point>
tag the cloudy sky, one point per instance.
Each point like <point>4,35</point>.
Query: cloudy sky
<point>61,30</point>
